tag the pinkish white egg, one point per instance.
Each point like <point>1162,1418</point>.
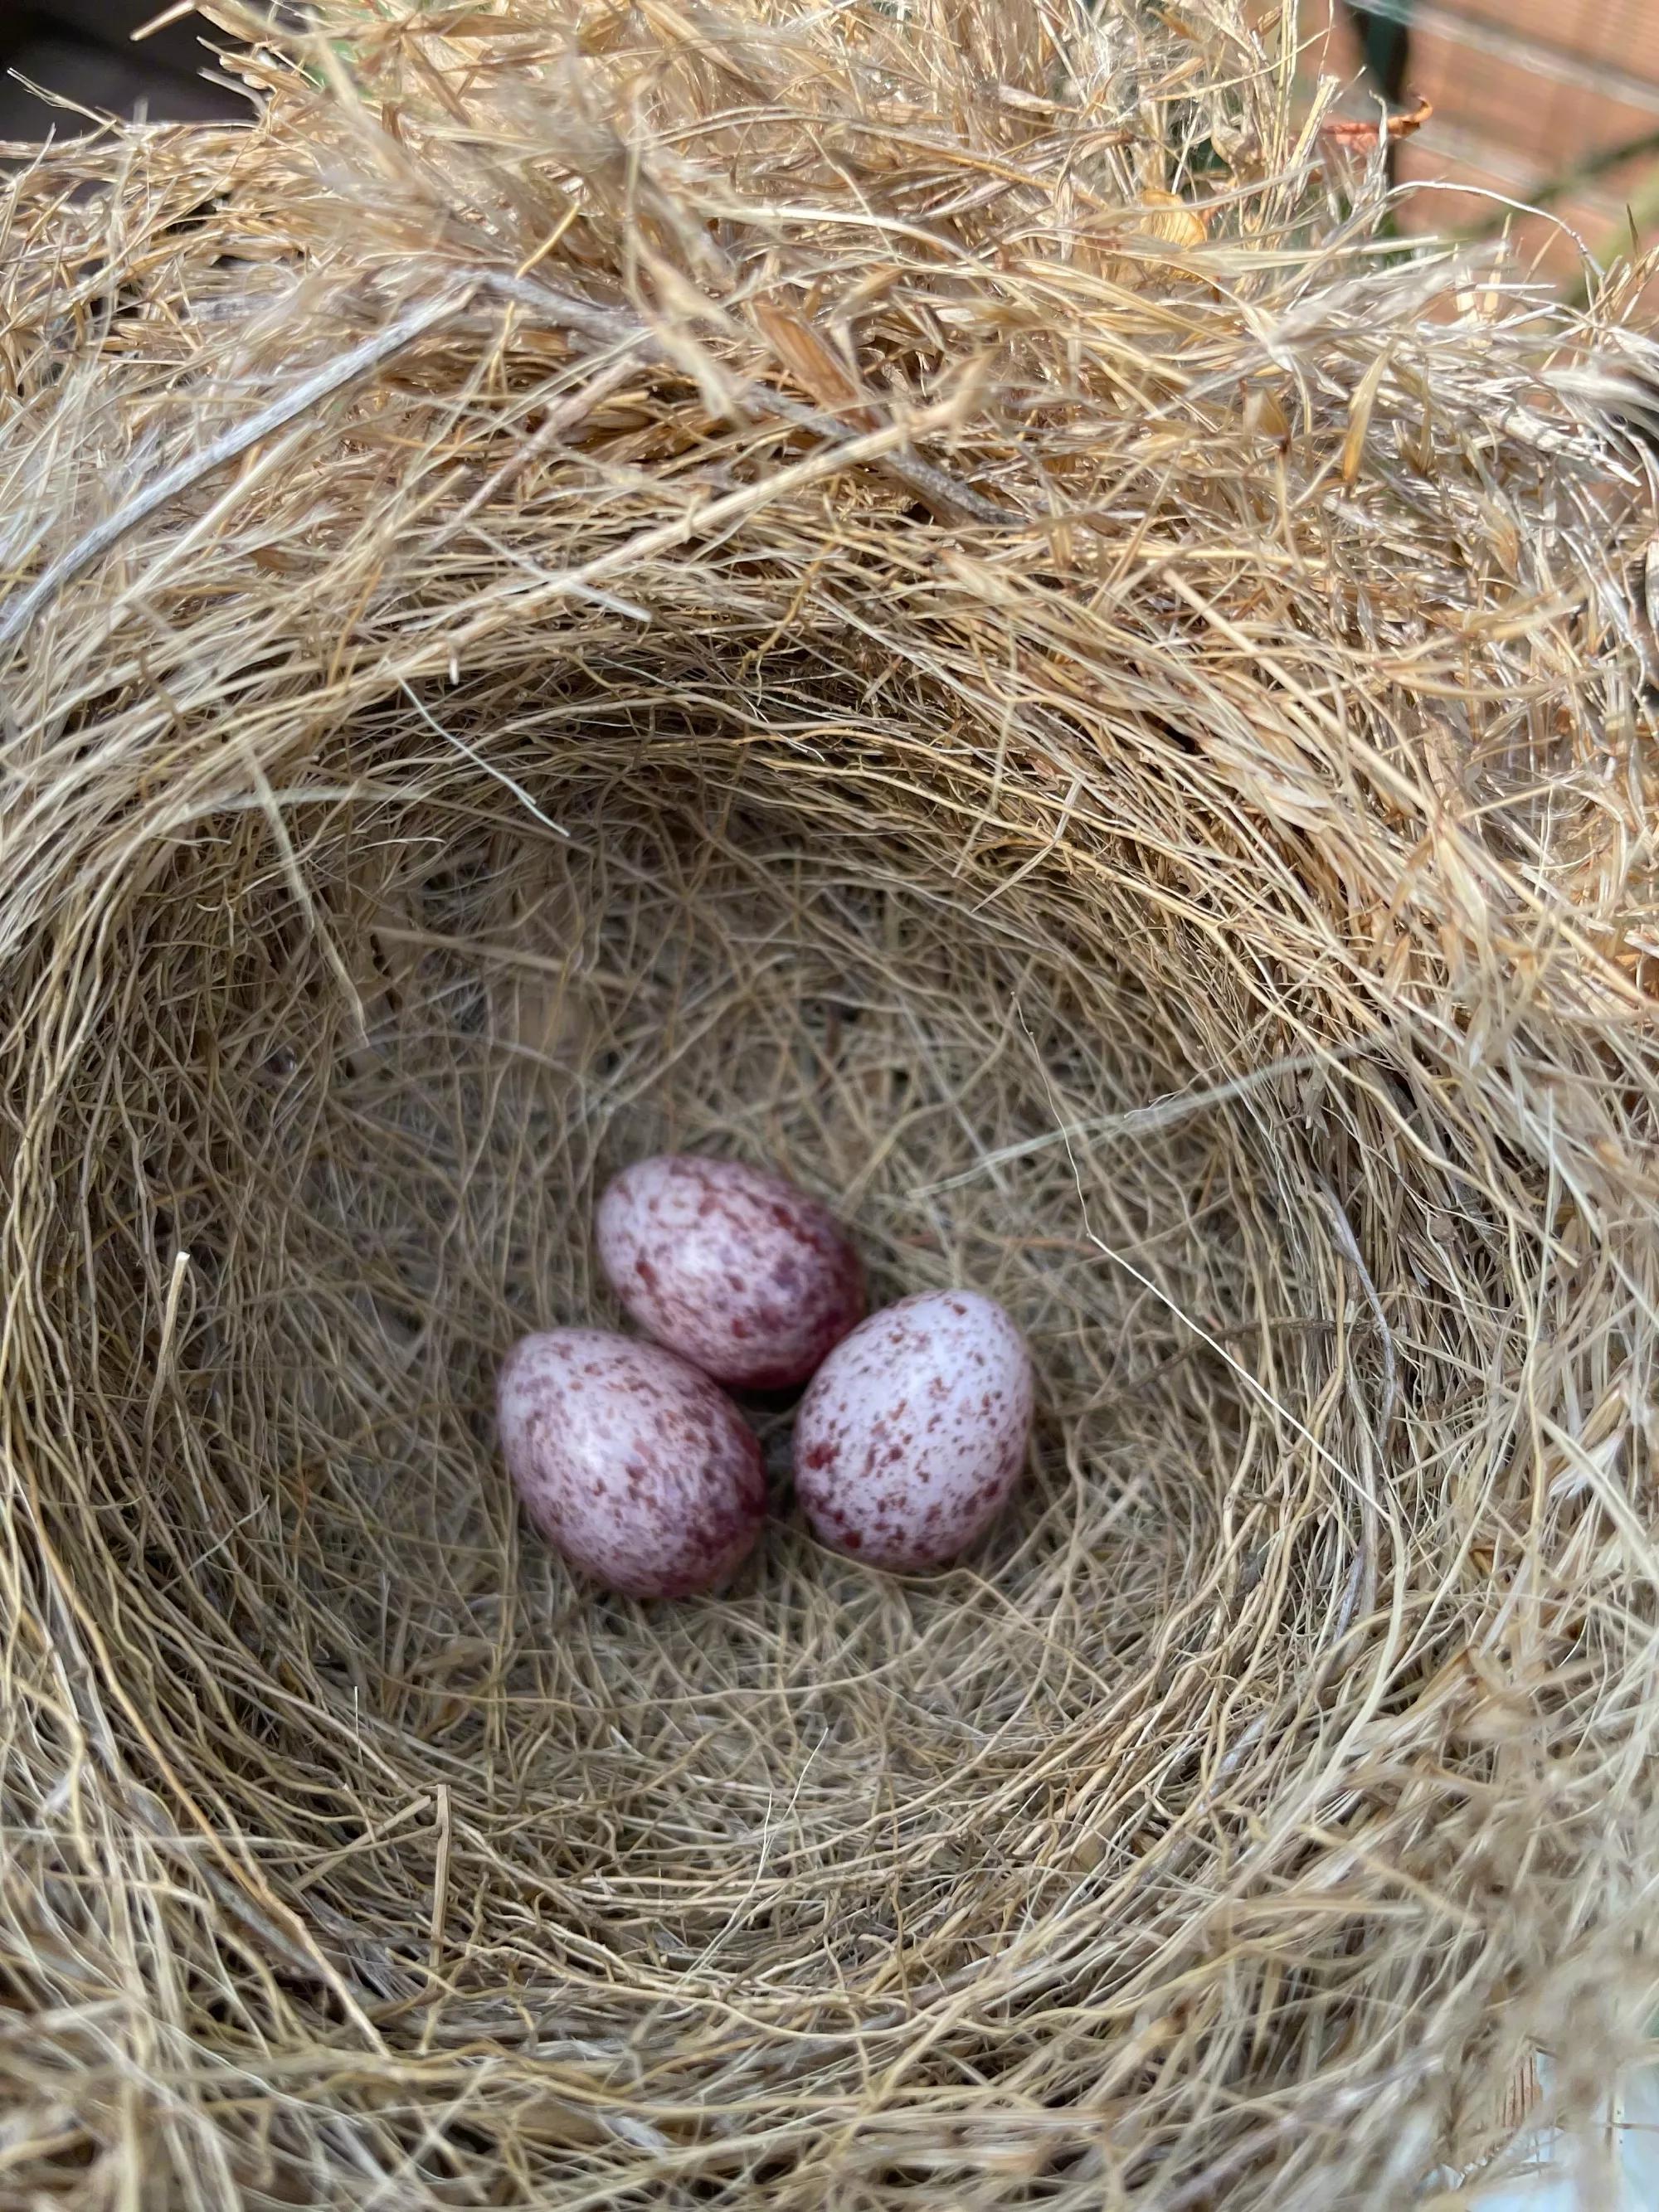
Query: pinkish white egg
<point>737,1271</point>
<point>914,1431</point>
<point>628,1460</point>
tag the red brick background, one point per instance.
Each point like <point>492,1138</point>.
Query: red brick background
<point>1525,93</point>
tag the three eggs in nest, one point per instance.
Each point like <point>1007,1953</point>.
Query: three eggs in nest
<point>635,1462</point>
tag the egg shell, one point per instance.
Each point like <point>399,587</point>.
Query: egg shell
<point>736,1270</point>
<point>914,1431</point>
<point>628,1460</point>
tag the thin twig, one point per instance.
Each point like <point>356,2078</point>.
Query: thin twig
<point>17,614</point>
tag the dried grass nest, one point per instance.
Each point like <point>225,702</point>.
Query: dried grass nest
<point>923,595</point>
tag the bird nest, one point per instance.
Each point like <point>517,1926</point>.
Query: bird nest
<point>918,595</point>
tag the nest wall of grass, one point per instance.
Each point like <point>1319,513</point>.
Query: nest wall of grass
<point>916,596</point>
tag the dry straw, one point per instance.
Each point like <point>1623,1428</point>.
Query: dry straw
<point>919,593</point>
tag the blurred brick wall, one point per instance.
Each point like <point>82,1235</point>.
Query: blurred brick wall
<point>1524,91</point>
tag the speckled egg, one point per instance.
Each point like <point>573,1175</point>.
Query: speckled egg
<point>914,1431</point>
<point>736,1270</point>
<point>629,1461</point>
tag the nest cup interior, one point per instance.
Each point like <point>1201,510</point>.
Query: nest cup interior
<point>320,1208</point>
